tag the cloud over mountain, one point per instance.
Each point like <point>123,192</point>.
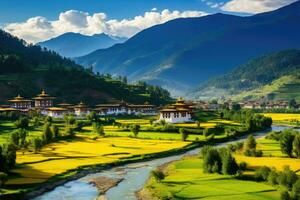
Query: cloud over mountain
<point>254,6</point>
<point>39,28</point>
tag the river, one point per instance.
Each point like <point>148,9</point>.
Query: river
<point>134,177</point>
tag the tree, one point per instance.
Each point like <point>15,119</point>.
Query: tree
<point>296,190</point>
<point>15,139</point>
<point>272,178</point>
<point>262,173</point>
<point>55,131</point>
<point>69,131</point>
<point>206,132</point>
<point>236,107</point>
<point>135,129</point>
<point>98,129</point>
<point>92,116</point>
<point>47,133</point>
<point>22,123</point>
<point>286,143</point>
<point>292,103</point>
<point>296,145</point>
<point>250,143</point>
<point>212,161</point>
<point>229,165</point>
<point>3,178</point>
<point>22,135</point>
<point>36,121</point>
<point>37,144</point>
<point>184,134</point>
<point>287,177</point>
<point>9,154</point>
<point>284,195</point>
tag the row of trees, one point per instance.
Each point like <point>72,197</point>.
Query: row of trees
<point>289,140</point>
<point>287,178</point>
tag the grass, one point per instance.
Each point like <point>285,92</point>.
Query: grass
<point>185,180</point>
<point>62,156</point>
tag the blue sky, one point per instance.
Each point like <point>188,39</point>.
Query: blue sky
<point>39,20</point>
<point>20,10</point>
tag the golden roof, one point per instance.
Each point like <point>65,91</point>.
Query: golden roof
<point>56,109</point>
<point>19,99</point>
<point>81,105</point>
<point>43,95</point>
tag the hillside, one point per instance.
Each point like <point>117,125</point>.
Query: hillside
<point>275,75</point>
<point>76,44</point>
<point>182,53</point>
<point>27,69</point>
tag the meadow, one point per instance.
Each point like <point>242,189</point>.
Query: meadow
<point>185,180</point>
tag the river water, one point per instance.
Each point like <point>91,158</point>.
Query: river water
<point>134,177</point>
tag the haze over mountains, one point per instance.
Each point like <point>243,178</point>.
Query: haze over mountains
<point>183,53</point>
<point>76,44</point>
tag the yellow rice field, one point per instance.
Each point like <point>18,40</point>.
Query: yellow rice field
<point>59,157</point>
<point>283,116</point>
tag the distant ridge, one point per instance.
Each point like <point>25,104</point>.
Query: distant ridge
<point>75,44</point>
<point>182,53</point>
<point>272,76</point>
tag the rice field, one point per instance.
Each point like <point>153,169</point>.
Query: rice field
<point>283,116</point>
<point>62,156</point>
<point>185,180</point>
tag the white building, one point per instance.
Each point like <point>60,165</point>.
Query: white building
<point>177,113</point>
<point>81,110</point>
<point>57,112</point>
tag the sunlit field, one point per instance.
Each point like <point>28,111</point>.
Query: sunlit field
<point>272,156</point>
<point>283,116</point>
<point>59,157</point>
<point>185,180</point>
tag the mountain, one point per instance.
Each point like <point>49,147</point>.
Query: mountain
<point>76,44</point>
<point>275,75</point>
<point>27,69</point>
<point>182,53</point>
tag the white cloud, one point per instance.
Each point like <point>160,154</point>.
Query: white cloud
<point>254,6</point>
<point>38,28</point>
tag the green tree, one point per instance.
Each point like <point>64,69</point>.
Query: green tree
<point>262,173</point>
<point>184,134</point>
<point>284,195</point>
<point>135,129</point>
<point>15,139</point>
<point>47,133</point>
<point>55,131</point>
<point>22,123</point>
<point>286,143</point>
<point>92,116</point>
<point>69,131</point>
<point>229,165</point>
<point>158,175</point>
<point>37,144</point>
<point>296,190</point>
<point>98,129</point>
<point>48,120</point>
<point>212,161</point>
<point>287,177</point>
<point>296,145</point>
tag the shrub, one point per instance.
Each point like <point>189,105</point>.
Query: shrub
<point>158,175</point>
<point>274,135</point>
<point>250,143</point>
<point>262,173</point>
<point>98,129</point>
<point>229,165</point>
<point>69,131</point>
<point>48,120</point>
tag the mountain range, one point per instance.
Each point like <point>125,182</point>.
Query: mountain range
<point>75,44</point>
<point>275,76</point>
<point>183,53</point>
<point>27,69</point>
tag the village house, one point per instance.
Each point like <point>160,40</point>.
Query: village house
<point>56,112</point>
<point>81,109</point>
<point>177,113</point>
<point>43,101</point>
<point>20,103</point>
